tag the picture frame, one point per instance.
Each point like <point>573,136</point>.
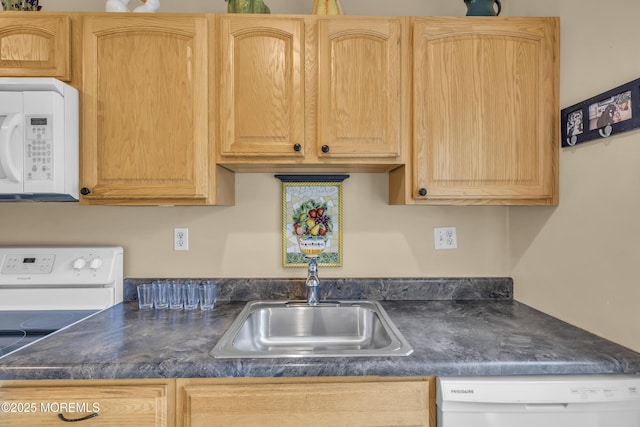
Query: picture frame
<point>609,113</point>
<point>312,210</point>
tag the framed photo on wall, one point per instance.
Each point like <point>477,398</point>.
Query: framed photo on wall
<point>312,215</point>
<point>610,113</point>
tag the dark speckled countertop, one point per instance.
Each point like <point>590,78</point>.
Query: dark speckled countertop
<point>458,327</point>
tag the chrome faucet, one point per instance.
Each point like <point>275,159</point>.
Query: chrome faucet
<point>313,283</point>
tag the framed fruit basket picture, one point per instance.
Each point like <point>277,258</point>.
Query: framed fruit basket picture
<point>312,219</point>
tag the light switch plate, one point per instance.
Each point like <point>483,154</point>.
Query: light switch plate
<point>445,238</point>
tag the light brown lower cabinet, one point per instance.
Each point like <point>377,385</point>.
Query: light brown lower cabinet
<point>312,401</point>
<point>113,403</point>
<point>255,402</point>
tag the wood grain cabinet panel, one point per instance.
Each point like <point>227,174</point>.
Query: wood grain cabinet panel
<point>34,45</point>
<point>261,86</point>
<point>360,87</point>
<point>343,401</point>
<point>310,91</point>
<point>112,403</point>
<point>485,110</point>
<point>145,121</point>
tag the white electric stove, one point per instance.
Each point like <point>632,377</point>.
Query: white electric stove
<point>46,289</point>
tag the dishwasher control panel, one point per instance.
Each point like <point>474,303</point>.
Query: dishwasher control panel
<point>539,389</point>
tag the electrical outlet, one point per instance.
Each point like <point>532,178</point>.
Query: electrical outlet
<point>445,238</point>
<point>180,239</point>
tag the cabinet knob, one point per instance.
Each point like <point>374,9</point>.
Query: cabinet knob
<point>325,148</point>
<point>85,191</point>
<point>297,147</point>
<point>422,192</point>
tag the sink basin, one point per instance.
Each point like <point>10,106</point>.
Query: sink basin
<point>267,329</point>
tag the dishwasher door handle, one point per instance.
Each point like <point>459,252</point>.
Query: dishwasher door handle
<point>546,406</point>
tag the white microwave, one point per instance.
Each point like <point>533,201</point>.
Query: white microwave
<point>39,140</point>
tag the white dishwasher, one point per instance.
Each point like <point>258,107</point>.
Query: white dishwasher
<point>539,401</point>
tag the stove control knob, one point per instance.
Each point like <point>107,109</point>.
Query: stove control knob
<point>79,264</point>
<point>95,263</point>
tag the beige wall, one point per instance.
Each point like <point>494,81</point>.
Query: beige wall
<point>245,240</point>
<point>579,261</point>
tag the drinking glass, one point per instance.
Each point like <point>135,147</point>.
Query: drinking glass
<point>160,294</point>
<point>145,296</point>
<point>208,295</point>
<point>190,295</point>
<point>175,295</point>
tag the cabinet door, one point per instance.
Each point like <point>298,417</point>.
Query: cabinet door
<point>305,402</point>
<point>105,405</point>
<point>359,92</point>
<point>485,110</point>
<point>261,89</point>
<point>145,108</point>
<point>35,45</point>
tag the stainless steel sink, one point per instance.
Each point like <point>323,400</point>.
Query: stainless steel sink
<point>267,329</point>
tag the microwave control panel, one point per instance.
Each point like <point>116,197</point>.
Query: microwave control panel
<point>39,148</point>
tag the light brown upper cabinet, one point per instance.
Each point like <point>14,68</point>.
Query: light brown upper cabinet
<point>360,87</point>
<point>485,112</point>
<point>312,91</point>
<point>261,63</point>
<point>35,45</point>
<point>146,111</point>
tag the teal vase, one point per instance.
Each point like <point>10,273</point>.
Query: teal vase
<point>483,7</point>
